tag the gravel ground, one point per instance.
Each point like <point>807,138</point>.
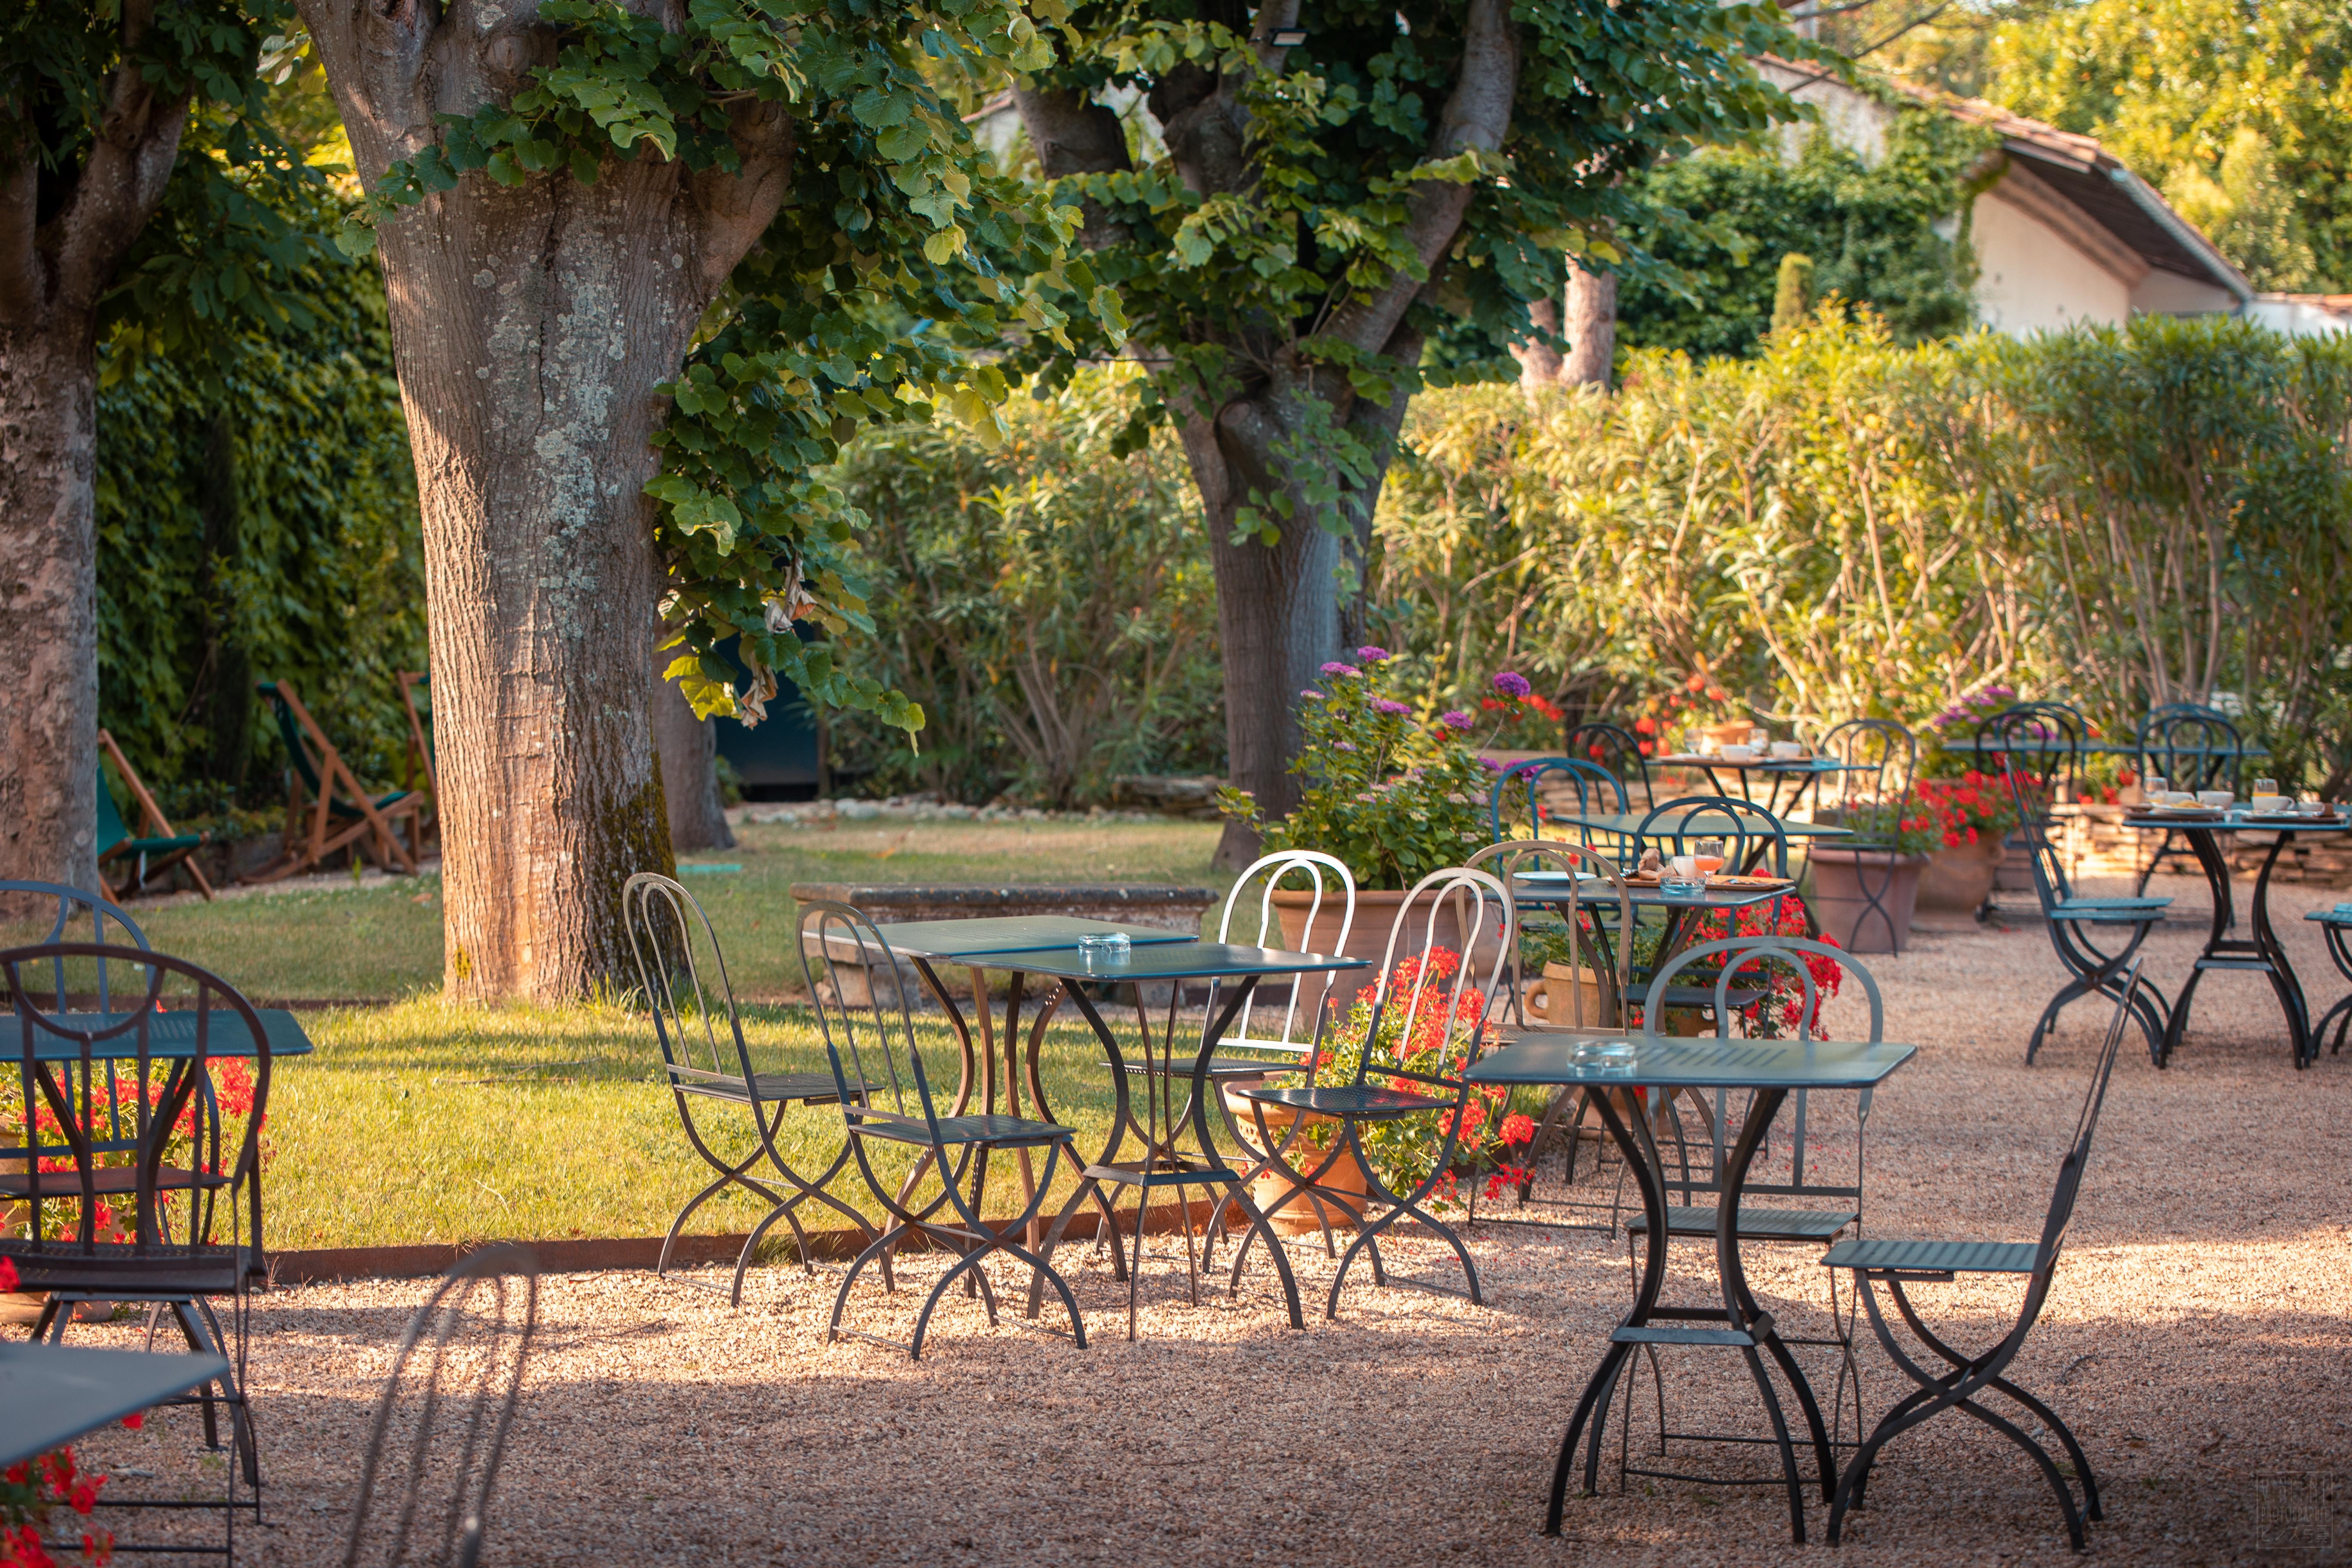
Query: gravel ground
<point>2197,1340</point>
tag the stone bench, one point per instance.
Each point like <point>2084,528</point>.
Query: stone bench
<point>1149,904</point>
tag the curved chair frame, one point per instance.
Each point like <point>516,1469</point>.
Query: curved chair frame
<point>1896,1264</point>
<point>479,1385</point>
<point>1267,872</point>
<point>1882,759</point>
<point>1589,779</point>
<point>1607,739</point>
<point>2091,967</point>
<point>886,1096</point>
<point>663,918</point>
<point>1745,820</point>
<point>2334,925</point>
<point>176,1264</point>
<point>1354,1105</point>
<point>2214,763</point>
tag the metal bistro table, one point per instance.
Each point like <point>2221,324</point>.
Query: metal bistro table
<point>2263,952</point>
<point>1628,823</point>
<point>1771,1068</point>
<point>1165,1160</point>
<point>1800,774</point>
<point>170,1037</point>
<point>50,1395</point>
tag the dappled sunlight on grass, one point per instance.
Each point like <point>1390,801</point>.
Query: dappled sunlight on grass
<point>432,1123</point>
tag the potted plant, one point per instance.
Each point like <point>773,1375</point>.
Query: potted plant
<point>1863,892</point>
<point>1973,813</point>
<point>1695,705</point>
<point>1393,794</point>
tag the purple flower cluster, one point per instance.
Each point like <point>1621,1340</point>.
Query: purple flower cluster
<point>1335,668</point>
<point>1454,718</point>
<point>1312,695</point>
<point>1977,704</point>
<point>1390,706</point>
<point>1371,655</point>
<point>1512,684</point>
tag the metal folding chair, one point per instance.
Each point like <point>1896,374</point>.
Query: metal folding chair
<point>1443,1037</point>
<point>1252,1053</point>
<point>441,1426</point>
<point>1962,1379</point>
<point>683,978</point>
<point>129,1182</point>
<point>2071,919</point>
<point>2040,743</point>
<point>2191,747</point>
<point>1814,1204</point>
<point>1881,761</point>
<point>2335,926</point>
<point>886,1099</point>
<point>1615,748</point>
<point>1524,795</point>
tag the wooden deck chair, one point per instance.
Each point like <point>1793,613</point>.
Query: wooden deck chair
<point>339,810</point>
<point>159,847</point>
<point>421,764</point>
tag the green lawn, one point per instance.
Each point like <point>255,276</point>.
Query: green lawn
<point>420,1122</point>
<point>383,943</point>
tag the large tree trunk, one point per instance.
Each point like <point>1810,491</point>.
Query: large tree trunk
<point>1539,363</point>
<point>688,750</point>
<point>48,603</point>
<point>1287,608</point>
<point>1592,327</point>
<point>532,325</point>
<point>59,249</point>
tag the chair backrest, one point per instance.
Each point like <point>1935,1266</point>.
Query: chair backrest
<point>292,724</point>
<point>102,1090</point>
<point>2041,741</point>
<point>1625,754</point>
<point>71,906</point>
<point>1324,879</point>
<point>1505,861</point>
<point>1740,963</point>
<point>2068,1186</point>
<point>1744,826</point>
<point>2051,884</point>
<point>111,830</point>
<point>683,976</point>
<point>1516,807</point>
<point>1881,761</point>
<point>876,1063</point>
<point>442,1423</point>
<point>2190,746</point>
<point>1428,982</point>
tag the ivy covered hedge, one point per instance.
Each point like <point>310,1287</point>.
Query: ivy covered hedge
<point>256,519</point>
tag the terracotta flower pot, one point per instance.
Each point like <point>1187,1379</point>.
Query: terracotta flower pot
<point>1554,1002</point>
<point>1730,733</point>
<point>1863,897</point>
<point>1957,880</point>
<point>1288,1210</point>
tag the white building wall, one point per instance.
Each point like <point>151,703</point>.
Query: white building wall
<point>2030,277</point>
<point>2162,293</point>
<point>2303,315</point>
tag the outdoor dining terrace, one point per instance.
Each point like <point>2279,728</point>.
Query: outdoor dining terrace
<point>2193,1339</point>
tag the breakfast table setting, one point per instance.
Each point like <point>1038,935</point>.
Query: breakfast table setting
<point>2204,818</point>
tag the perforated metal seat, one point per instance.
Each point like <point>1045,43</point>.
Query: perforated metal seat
<point>997,1132</point>
<point>1945,1257</point>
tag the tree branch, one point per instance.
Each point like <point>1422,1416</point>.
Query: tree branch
<point>121,181</point>
<point>1075,135</point>
<point>374,52</point>
<point>1477,116</point>
<point>732,211</point>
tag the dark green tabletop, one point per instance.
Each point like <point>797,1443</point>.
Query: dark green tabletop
<point>1169,961</point>
<point>1763,764</point>
<point>171,1036</point>
<point>51,1395</point>
<point>1548,889</point>
<point>1629,824</point>
<point>1660,1062</point>
<point>967,941</point>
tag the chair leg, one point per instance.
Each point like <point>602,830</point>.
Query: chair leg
<point>1369,1236</point>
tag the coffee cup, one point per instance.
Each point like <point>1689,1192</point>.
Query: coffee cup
<point>2271,805</point>
<point>1738,754</point>
<point>2219,799</point>
<point>1786,751</point>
